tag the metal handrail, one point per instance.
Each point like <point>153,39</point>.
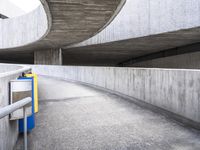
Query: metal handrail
<point>5,111</point>
<point>13,107</point>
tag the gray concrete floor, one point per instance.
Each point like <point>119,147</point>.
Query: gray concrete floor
<point>76,117</point>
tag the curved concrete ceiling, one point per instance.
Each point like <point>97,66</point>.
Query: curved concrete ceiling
<point>141,18</point>
<point>72,21</point>
<point>142,27</point>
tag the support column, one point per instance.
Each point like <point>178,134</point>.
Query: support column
<point>48,57</point>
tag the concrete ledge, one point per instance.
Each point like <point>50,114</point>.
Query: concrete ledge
<point>7,70</point>
<point>8,129</point>
<point>24,30</point>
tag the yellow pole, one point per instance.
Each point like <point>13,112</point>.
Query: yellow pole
<point>35,80</point>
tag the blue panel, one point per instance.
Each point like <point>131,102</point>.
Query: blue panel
<point>30,119</point>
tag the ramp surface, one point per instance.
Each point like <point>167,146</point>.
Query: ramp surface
<point>87,119</point>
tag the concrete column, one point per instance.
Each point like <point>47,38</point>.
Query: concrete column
<point>48,57</point>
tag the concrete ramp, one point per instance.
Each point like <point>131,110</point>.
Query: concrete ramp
<point>88,119</point>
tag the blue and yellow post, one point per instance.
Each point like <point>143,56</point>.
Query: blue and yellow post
<point>35,107</point>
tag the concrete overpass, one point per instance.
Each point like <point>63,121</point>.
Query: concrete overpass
<point>141,28</point>
<point>56,24</point>
<point>113,33</point>
<point>115,106</point>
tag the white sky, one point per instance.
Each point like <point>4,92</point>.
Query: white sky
<point>26,5</point>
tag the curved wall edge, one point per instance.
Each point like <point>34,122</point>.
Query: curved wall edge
<point>27,29</point>
<point>8,129</point>
<point>173,90</point>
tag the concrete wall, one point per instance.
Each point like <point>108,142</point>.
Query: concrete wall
<point>139,18</point>
<point>176,91</point>
<point>141,28</point>
<point>187,61</point>
<point>8,129</point>
<point>8,68</point>
<point>23,30</point>
<point>48,57</point>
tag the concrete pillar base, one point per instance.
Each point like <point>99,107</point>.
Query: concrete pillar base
<point>48,57</point>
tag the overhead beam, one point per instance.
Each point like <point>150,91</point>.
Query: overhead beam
<point>166,53</point>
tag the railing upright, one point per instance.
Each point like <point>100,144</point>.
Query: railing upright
<point>5,111</point>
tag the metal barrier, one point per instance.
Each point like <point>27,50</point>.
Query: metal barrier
<point>5,111</point>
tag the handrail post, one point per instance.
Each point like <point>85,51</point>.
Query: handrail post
<point>25,128</point>
<point>13,107</point>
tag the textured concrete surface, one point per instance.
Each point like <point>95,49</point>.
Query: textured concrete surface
<point>190,61</point>
<point>8,129</point>
<point>142,27</point>
<point>176,91</point>
<point>48,57</point>
<point>23,30</point>
<point>61,90</point>
<point>7,68</point>
<point>101,121</point>
<point>68,22</point>
<point>140,18</point>
<point>64,23</point>
<point>188,49</point>
<point>113,53</point>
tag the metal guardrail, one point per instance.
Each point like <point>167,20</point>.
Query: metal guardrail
<point>5,111</point>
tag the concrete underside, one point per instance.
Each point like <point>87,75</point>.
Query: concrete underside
<point>80,117</point>
<point>139,29</point>
<point>113,53</point>
<point>69,22</point>
<point>73,21</point>
<point>189,61</point>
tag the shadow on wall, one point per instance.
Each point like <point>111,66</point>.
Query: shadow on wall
<point>175,91</point>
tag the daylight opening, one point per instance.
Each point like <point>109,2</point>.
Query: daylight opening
<point>15,8</point>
